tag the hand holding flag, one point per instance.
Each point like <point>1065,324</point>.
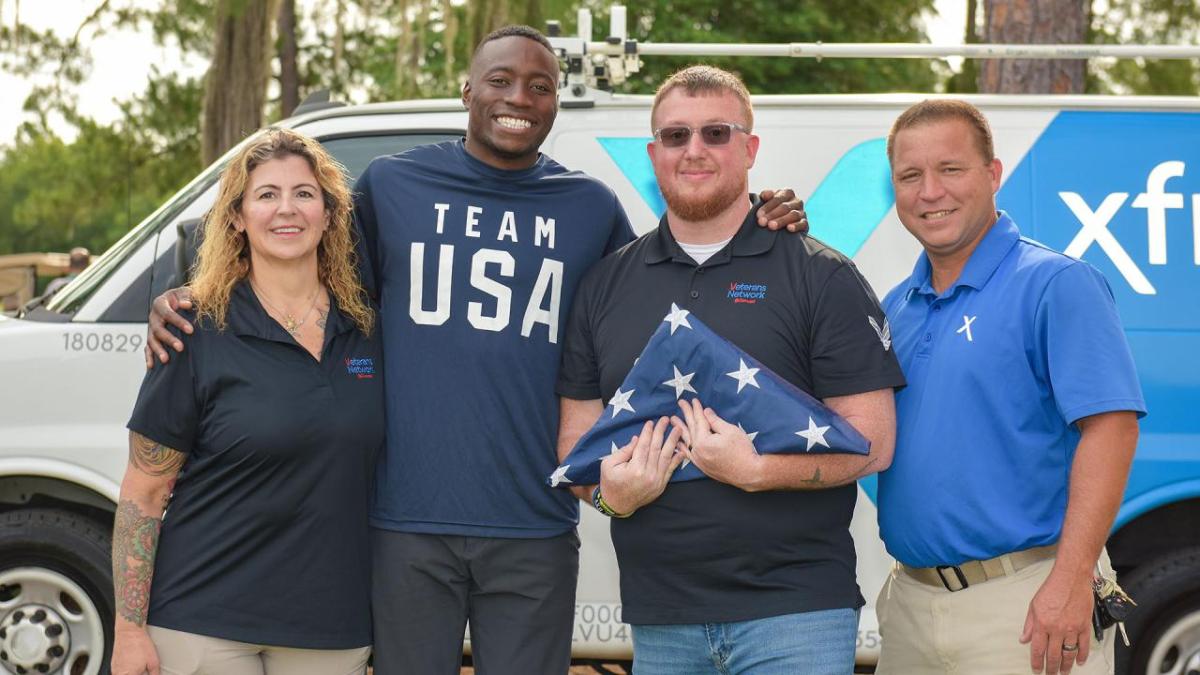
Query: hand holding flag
<point>683,357</point>
<point>723,451</point>
<point>637,474</point>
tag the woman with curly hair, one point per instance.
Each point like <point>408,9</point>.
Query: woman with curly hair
<point>241,541</point>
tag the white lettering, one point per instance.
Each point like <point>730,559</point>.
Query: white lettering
<point>473,220</point>
<point>416,281</point>
<point>549,280</point>
<point>544,228</point>
<point>502,293</point>
<point>441,209</point>
<point>508,227</point>
<point>1196,229</point>
<point>1094,228</point>
<point>1156,202</point>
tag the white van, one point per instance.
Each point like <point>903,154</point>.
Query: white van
<point>1113,180</point>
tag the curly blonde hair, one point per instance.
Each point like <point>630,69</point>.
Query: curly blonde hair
<point>224,256</point>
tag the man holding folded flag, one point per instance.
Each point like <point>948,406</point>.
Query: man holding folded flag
<point>740,561</point>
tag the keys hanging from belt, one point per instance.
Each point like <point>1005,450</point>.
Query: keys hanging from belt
<point>1112,606</point>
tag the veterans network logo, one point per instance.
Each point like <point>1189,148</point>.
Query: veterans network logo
<point>363,369</point>
<point>746,293</point>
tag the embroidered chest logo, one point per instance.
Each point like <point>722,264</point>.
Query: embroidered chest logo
<point>747,293</point>
<point>363,369</point>
<point>966,327</point>
<point>885,333</point>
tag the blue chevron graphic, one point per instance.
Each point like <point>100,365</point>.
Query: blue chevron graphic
<point>843,211</point>
<point>630,156</point>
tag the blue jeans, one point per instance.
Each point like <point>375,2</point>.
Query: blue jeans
<point>809,643</point>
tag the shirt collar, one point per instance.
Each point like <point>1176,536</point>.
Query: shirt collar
<point>749,240</point>
<point>992,249</point>
<point>247,316</point>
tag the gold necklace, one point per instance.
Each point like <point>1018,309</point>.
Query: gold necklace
<point>290,324</point>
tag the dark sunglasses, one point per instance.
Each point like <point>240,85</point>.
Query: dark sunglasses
<point>718,133</point>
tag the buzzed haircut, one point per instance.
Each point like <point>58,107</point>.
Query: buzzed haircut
<point>79,258</point>
<point>938,110</point>
<point>515,30</point>
<point>703,81</point>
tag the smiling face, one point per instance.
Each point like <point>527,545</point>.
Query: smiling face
<point>700,181</point>
<point>512,96</point>
<point>282,212</point>
<point>945,189</point>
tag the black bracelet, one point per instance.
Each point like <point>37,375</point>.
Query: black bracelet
<point>603,507</point>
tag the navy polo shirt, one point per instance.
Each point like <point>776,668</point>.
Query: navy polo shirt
<point>265,538</point>
<point>1000,366</point>
<point>706,551</point>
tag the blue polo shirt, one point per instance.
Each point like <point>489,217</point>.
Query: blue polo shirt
<point>999,367</point>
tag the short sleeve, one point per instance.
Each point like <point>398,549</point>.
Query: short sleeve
<point>851,347</point>
<point>166,410</point>
<point>366,230</point>
<point>622,231</point>
<point>1087,356</point>
<point>579,372</point>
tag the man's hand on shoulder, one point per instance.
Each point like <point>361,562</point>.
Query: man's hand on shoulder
<point>781,209</point>
<point>1059,616</point>
<point>638,473</point>
<point>164,311</point>
<point>721,450</point>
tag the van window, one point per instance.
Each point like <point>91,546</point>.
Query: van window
<point>133,305</point>
<point>356,152</point>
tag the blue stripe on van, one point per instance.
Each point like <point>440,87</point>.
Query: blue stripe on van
<point>843,211</point>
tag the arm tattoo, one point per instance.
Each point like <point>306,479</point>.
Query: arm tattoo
<point>135,543</point>
<point>153,458</point>
<point>815,481</point>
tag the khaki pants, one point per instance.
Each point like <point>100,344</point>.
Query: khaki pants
<point>926,630</point>
<point>190,654</point>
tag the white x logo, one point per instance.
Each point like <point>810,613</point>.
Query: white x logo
<point>1095,229</point>
<point>967,321</point>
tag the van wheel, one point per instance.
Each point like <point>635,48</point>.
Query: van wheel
<point>56,598</point>
<point>1164,629</point>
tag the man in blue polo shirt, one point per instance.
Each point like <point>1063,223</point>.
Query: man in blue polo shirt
<point>1015,433</point>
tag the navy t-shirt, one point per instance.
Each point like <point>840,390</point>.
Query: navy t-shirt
<point>265,538</point>
<point>475,268</point>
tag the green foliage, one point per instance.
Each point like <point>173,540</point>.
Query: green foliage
<point>781,21</point>
<point>55,194</point>
<point>1147,22</point>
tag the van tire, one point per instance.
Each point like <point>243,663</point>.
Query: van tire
<point>1164,628</point>
<point>60,559</point>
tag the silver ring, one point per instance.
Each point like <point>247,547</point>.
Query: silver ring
<point>1070,648</point>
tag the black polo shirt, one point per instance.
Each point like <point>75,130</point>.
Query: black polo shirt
<point>265,537</point>
<point>706,551</point>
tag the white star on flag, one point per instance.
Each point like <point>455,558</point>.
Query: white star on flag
<point>560,475</point>
<point>749,434</point>
<point>681,382</point>
<point>677,318</point>
<point>744,375</point>
<point>814,434</point>
<point>620,401</point>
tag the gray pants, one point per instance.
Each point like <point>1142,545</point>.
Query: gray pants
<point>183,653</point>
<point>518,594</point>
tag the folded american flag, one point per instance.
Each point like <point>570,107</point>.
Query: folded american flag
<point>686,357</point>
